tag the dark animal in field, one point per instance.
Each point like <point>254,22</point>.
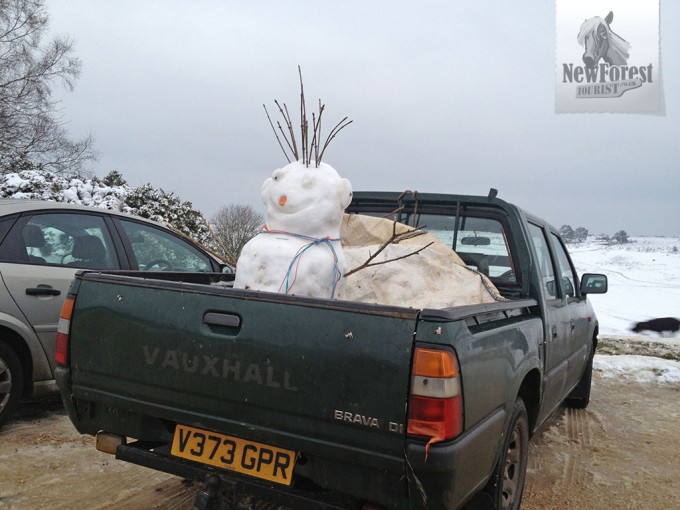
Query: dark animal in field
<point>670,324</point>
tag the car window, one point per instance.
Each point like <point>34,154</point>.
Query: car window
<point>545,266</point>
<point>65,239</point>
<point>158,250</point>
<point>5,224</point>
<point>566,271</point>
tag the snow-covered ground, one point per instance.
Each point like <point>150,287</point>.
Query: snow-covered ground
<point>644,280</point>
<point>644,283</point>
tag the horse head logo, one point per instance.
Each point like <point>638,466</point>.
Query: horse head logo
<point>601,43</point>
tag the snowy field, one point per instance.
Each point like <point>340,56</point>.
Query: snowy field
<point>644,283</point>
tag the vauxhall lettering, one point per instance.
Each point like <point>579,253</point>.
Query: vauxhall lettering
<point>247,373</point>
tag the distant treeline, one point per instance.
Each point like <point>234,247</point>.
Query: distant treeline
<point>580,234</point>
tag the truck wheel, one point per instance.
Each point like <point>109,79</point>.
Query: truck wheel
<point>579,398</point>
<point>11,382</point>
<point>507,481</point>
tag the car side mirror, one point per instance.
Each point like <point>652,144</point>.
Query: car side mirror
<point>593,283</point>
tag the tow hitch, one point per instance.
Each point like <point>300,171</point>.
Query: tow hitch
<point>210,497</point>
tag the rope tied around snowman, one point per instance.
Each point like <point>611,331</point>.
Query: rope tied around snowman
<point>286,284</point>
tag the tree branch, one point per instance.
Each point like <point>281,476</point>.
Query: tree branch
<point>275,133</point>
<point>394,239</point>
<point>307,149</point>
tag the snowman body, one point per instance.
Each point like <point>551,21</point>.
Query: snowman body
<point>299,249</point>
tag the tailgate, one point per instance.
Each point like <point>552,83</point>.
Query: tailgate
<point>327,378</point>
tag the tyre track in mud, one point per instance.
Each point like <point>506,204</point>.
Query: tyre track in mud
<point>579,440</point>
<point>45,464</point>
<point>619,453</point>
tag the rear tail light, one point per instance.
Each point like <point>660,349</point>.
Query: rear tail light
<point>436,404</point>
<point>63,331</point>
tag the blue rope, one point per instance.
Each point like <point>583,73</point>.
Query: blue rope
<point>313,241</point>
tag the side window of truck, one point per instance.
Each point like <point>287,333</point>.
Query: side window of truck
<point>545,267</point>
<point>567,275</point>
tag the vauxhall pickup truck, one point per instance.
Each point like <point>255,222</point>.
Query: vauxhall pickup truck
<point>328,404</point>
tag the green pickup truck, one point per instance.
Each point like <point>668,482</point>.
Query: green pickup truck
<point>330,404</point>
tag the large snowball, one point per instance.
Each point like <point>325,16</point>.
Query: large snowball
<point>299,252</point>
<point>306,200</point>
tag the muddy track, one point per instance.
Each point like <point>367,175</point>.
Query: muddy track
<point>620,453</point>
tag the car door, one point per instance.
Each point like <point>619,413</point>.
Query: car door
<point>577,348</point>
<point>39,257</point>
<point>557,334</point>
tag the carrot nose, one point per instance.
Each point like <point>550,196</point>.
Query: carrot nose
<point>282,200</point>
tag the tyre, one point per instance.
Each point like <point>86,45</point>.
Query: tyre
<point>507,481</point>
<point>579,398</point>
<point>11,382</point>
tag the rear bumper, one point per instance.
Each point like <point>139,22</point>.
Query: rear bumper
<point>43,388</point>
<point>448,477</point>
<point>155,456</point>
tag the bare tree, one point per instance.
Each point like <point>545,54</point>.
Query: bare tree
<point>32,132</point>
<point>233,226</point>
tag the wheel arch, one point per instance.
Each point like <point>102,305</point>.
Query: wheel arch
<point>530,392</point>
<point>18,344</point>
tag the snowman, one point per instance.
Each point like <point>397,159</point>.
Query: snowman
<point>298,251</point>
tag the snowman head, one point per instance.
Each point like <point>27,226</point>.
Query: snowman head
<point>306,200</point>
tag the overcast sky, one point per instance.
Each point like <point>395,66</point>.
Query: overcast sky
<point>445,96</point>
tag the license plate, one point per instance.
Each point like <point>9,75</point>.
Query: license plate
<point>227,452</point>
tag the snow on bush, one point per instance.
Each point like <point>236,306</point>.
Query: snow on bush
<point>144,201</point>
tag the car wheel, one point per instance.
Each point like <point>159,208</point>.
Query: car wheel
<point>11,382</point>
<point>507,481</point>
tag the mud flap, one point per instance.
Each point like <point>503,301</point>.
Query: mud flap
<point>481,501</point>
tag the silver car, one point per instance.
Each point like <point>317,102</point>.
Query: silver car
<point>42,245</point>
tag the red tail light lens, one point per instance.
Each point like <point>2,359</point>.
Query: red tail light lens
<point>63,328</point>
<point>435,417</point>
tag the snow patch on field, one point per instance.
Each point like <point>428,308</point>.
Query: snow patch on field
<point>642,369</point>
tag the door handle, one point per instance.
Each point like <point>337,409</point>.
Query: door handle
<point>554,332</point>
<point>42,290</point>
<point>222,319</point>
